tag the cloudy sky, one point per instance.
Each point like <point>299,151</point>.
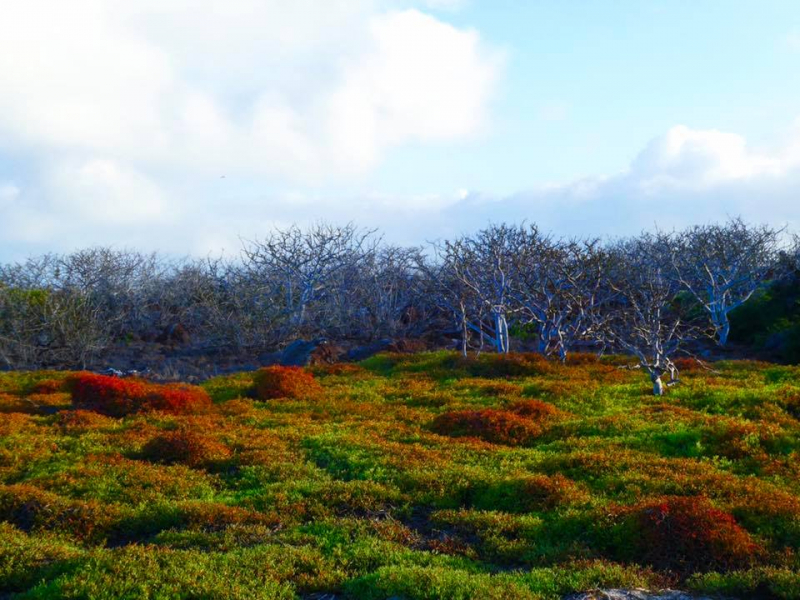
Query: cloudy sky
<point>185,125</point>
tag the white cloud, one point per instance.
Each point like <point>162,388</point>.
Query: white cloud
<point>123,111</point>
<point>106,192</point>
<point>792,41</point>
<point>682,177</point>
<point>300,91</point>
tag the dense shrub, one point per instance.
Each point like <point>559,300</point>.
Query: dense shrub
<point>34,404</point>
<point>50,386</point>
<point>687,535</point>
<point>284,382</point>
<point>117,397</point>
<point>530,493</point>
<point>186,447</point>
<point>534,409</point>
<point>112,396</point>
<point>518,364</point>
<point>177,398</point>
<point>81,421</point>
<point>32,509</point>
<point>496,426</point>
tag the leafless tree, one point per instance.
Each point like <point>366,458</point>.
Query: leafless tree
<point>723,265</point>
<point>560,289</point>
<point>300,270</point>
<point>646,319</point>
<point>485,265</point>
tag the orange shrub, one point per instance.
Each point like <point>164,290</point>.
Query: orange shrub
<point>185,447</point>
<point>117,397</point>
<point>496,426</point>
<point>15,422</point>
<point>79,421</point>
<point>31,509</point>
<point>534,409</point>
<point>284,382</point>
<point>582,358</point>
<point>50,386</point>
<point>177,398</point>
<point>237,406</point>
<point>529,493</point>
<point>687,535</point>
<point>687,365</point>
<point>210,516</point>
<point>13,404</point>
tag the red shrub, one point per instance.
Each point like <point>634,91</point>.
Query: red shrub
<point>688,535</point>
<point>177,398</point>
<point>284,382</point>
<point>534,409</point>
<point>117,397</point>
<point>110,396</point>
<point>496,426</point>
<point>185,447</point>
<point>582,358</point>
<point>50,386</point>
<point>79,421</point>
<point>687,365</point>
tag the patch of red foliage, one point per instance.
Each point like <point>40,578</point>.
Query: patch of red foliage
<point>687,365</point>
<point>177,398</point>
<point>185,447</point>
<point>81,421</point>
<point>534,409</point>
<point>545,492</point>
<point>491,425</point>
<point>582,358</point>
<point>117,397</point>
<point>32,509</point>
<point>688,534</point>
<point>284,382</point>
<point>49,386</point>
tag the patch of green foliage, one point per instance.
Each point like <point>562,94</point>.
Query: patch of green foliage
<point>406,476</point>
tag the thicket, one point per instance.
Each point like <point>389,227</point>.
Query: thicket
<point>652,296</point>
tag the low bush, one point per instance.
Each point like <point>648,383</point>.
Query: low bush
<point>284,382</point>
<point>81,421</point>
<point>491,425</point>
<point>32,509</point>
<point>117,397</point>
<point>177,398</point>
<point>686,535</point>
<point>50,386</point>
<point>534,409</point>
<point>185,447</point>
<point>531,493</point>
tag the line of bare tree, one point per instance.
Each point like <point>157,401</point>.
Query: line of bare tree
<point>650,296</point>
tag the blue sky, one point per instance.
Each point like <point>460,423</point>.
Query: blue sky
<point>182,125</point>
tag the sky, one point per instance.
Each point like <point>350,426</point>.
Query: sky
<point>186,126</point>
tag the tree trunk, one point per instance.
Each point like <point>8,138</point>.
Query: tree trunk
<point>658,385</point>
<point>723,332</point>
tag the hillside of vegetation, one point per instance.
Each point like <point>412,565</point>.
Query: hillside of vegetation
<point>769,323</point>
<point>406,476</point>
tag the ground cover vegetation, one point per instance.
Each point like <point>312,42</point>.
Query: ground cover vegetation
<point>414,476</point>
